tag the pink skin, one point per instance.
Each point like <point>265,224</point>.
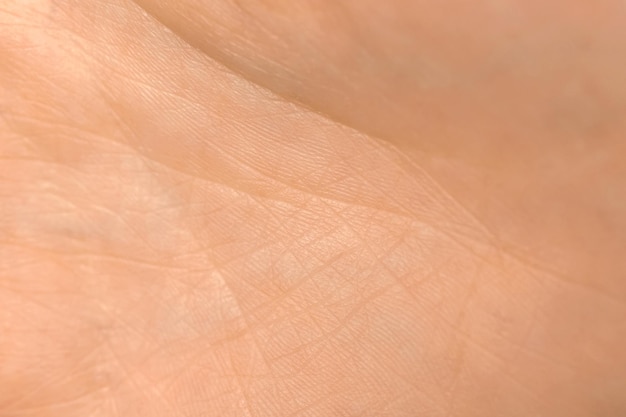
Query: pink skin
<point>312,208</point>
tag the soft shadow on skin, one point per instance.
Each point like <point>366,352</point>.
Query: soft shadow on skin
<point>512,108</point>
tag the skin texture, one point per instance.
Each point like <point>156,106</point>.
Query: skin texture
<point>312,208</point>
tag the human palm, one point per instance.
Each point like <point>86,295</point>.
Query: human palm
<point>255,208</point>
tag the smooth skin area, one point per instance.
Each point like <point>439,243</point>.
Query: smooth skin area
<point>244,208</point>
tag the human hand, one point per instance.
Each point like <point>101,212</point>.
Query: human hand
<point>355,208</point>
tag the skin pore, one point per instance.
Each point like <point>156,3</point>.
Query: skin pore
<point>334,208</point>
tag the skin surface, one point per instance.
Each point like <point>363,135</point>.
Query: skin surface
<point>312,208</point>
